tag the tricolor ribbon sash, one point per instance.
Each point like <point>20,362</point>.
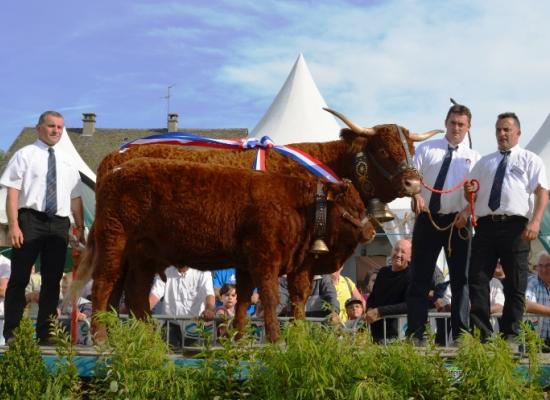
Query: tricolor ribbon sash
<point>313,165</point>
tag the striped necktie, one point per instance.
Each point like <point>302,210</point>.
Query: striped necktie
<point>51,185</point>
<point>496,189</point>
<point>435,199</point>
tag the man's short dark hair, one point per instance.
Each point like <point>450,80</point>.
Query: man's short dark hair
<point>45,114</point>
<point>509,114</point>
<point>460,109</point>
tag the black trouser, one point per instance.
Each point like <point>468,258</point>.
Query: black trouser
<point>427,243</point>
<point>48,237</point>
<point>494,240</point>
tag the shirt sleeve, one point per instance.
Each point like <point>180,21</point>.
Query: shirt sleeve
<point>530,293</point>
<point>158,288</point>
<point>13,174</point>
<point>206,283</point>
<point>537,175</point>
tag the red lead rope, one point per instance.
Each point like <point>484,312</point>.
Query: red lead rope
<point>471,201</point>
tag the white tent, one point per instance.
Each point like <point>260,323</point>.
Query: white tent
<point>297,115</point>
<point>540,144</point>
<point>66,146</point>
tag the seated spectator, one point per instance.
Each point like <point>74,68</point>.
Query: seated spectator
<point>345,289</point>
<point>83,313</point>
<point>538,297</point>
<point>222,276</point>
<point>5,272</point>
<point>389,293</point>
<point>187,293</point>
<point>83,305</point>
<point>355,313</point>
<point>32,293</point>
<point>228,295</point>
<point>226,311</point>
<point>444,303</point>
<point>371,278</point>
<point>321,303</point>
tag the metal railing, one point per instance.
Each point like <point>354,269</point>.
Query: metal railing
<point>195,333</point>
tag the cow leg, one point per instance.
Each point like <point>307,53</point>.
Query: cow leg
<point>141,267</point>
<point>269,296</point>
<point>137,287</point>
<point>110,251</point>
<point>245,287</point>
<point>299,289</point>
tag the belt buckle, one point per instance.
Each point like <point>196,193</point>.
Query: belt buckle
<point>499,217</point>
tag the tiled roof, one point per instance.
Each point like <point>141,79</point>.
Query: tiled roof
<point>93,148</point>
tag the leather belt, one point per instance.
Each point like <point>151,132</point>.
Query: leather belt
<point>496,218</point>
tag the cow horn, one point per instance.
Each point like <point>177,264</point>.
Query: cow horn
<point>419,137</point>
<point>352,125</point>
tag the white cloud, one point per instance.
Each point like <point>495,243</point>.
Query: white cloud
<point>401,61</point>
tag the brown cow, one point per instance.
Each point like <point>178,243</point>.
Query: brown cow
<point>152,213</point>
<point>377,160</point>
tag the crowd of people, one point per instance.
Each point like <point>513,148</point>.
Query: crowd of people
<point>488,270</point>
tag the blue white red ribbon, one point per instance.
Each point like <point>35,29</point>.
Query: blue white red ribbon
<point>313,165</point>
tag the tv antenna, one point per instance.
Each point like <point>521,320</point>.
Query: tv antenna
<point>167,97</point>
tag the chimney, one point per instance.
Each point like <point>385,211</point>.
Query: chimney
<point>88,127</point>
<point>172,122</point>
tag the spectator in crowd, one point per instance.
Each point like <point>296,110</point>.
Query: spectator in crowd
<point>228,295</point>
<point>83,312</point>
<point>83,305</point>
<point>32,292</point>
<point>345,289</point>
<point>443,163</point>
<point>499,272</point>
<point>355,311</point>
<point>370,284</point>
<point>187,293</point>
<point>538,297</point>
<point>444,303</point>
<point>389,293</point>
<point>507,222</point>
<point>222,276</point>
<point>43,190</point>
<point>321,303</point>
<point>5,271</point>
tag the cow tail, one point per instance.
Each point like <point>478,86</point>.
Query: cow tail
<point>85,270</point>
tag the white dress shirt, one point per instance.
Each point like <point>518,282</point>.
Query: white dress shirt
<point>428,158</point>
<point>26,171</point>
<point>525,171</point>
<point>184,292</point>
<point>5,272</point>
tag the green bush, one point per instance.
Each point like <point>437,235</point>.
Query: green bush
<point>23,374</point>
<point>490,371</point>
<point>310,362</point>
<point>134,364</point>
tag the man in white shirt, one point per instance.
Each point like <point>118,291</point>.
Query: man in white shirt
<point>444,164</point>
<point>508,178</point>
<point>187,292</point>
<point>5,271</point>
<point>43,189</point>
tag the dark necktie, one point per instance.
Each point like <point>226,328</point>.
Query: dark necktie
<point>435,199</point>
<point>496,189</point>
<point>51,185</point>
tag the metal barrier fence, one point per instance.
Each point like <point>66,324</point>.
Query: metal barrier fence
<point>193,332</point>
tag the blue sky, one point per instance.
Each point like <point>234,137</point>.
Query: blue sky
<point>376,61</point>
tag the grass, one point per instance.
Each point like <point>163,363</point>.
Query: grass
<point>310,362</point>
